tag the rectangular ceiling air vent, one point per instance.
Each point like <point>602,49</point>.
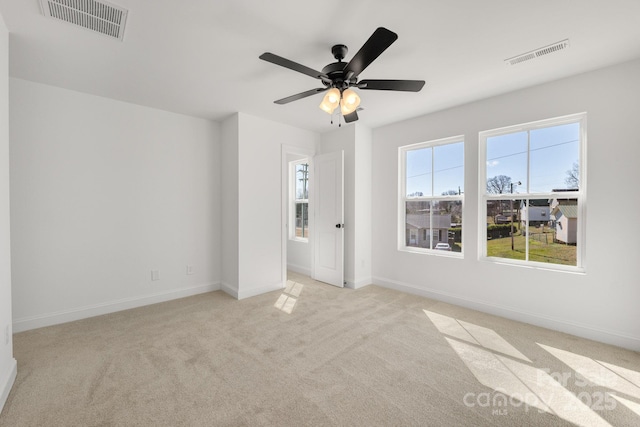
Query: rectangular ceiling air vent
<point>99,16</point>
<point>538,52</point>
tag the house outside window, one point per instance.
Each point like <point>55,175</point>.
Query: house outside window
<point>532,187</point>
<point>431,196</point>
<point>299,200</point>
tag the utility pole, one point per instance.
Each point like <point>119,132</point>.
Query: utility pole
<point>511,210</point>
<point>305,178</point>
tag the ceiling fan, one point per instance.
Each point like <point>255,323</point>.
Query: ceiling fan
<point>339,77</point>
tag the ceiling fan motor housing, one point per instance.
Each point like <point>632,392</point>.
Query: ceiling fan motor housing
<point>339,51</point>
<point>335,72</point>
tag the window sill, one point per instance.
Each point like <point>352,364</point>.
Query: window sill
<point>299,239</point>
<point>421,251</point>
<point>558,268</point>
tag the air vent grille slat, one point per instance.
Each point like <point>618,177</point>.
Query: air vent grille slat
<point>556,47</point>
<point>97,16</point>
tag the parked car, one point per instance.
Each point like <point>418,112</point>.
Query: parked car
<point>442,247</point>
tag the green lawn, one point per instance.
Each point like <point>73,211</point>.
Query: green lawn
<point>553,253</point>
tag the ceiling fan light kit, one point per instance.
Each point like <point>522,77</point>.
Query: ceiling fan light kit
<point>330,101</point>
<point>350,101</point>
<point>339,77</point>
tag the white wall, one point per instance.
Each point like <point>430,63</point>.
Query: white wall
<point>362,201</point>
<point>356,142</point>
<point>229,202</point>
<point>102,192</point>
<point>601,304</point>
<point>261,256</point>
<point>7,362</point>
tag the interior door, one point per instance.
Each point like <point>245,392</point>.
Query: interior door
<point>329,218</point>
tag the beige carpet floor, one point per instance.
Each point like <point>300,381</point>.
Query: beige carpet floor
<point>320,356</point>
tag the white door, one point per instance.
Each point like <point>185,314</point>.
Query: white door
<point>329,218</point>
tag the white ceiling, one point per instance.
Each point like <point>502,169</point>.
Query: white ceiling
<point>200,57</point>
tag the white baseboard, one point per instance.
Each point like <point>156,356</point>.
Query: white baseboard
<point>48,319</point>
<point>562,325</point>
<point>228,289</point>
<point>7,378</point>
<point>359,283</point>
<point>248,293</point>
<point>299,269</point>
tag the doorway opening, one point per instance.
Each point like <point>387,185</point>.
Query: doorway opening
<point>297,212</point>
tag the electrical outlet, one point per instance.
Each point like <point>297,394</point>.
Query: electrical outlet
<point>189,269</point>
<point>155,275</point>
<point>7,334</point>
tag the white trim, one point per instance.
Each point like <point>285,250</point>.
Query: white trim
<point>49,319</point>
<point>229,290</point>
<point>299,269</point>
<point>536,124</point>
<point>359,283</point>
<point>259,291</point>
<point>435,252</point>
<point>553,323</point>
<point>7,383</point>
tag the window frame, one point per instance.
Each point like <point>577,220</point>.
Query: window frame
<point>403,199</point>
<point>293,201</point>
<point>580,195</point>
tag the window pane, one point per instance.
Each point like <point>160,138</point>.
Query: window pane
<point>507,163</point>
<point>418,172</point>
<point>555,241</point>
<point>504,238</point>
<point>448,220</point>
<point>554,156</point>
<point>448,169</point>
<point>417,224</point>
<point>549,227</point>
<point>435,231</point>
<point>302,220</point>
<point>302,181</point>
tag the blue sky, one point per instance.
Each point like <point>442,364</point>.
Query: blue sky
<point>553,151</point>
<point>448,163</point>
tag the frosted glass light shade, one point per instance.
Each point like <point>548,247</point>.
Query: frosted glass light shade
<point>330,101</point>
<point>350,101</point>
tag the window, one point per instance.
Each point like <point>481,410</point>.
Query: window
<point>532,193</point>
<point>300,200</point>
<point>431,195</point>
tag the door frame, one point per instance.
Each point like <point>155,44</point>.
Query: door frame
<point>284,198</point>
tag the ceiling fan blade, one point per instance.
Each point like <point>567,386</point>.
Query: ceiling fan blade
<point>301,95</point>
<point>379,41</point>
<point>351,117</point>
<point>403,85</point>
<point>286,63</point>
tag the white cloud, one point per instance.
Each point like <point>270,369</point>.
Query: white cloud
<point>492,163</point>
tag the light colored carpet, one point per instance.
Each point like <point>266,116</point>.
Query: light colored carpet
<point>320,356</point>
